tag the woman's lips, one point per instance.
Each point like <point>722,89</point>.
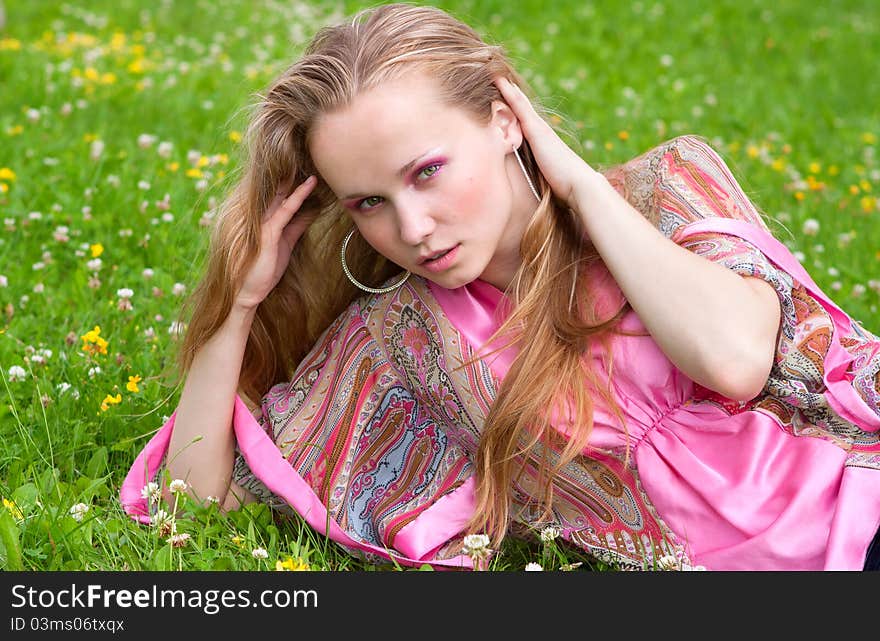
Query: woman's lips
<point>442,263</point>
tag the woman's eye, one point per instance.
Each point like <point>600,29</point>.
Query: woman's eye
<point>429,171</point>
<point>370,202</point>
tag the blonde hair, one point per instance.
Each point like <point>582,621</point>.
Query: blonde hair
<point>549,308</point>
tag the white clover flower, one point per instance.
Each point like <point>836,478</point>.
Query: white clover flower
<point>549,533</point>
<point>39,288</point>
<point>833,271</point>
<point>63,387</point>
<point>168,217</point>
<point>476,546</point>
<point>178,486</point>
<point>94,265</point>
<point>94,371</point>
<point>534,567</point>
<point>212,499</point>
<point>178,289</point>
<point>143,185</point>
<point>259,553</point>
<point>147,273</point>
<point>33,115</point>
<point>178,540</point>
<point>164,149</point>
<point>96,149</point>
<point>811,227</point>
<point>38,266</point>
<point>160,518</point>
<point>193,156</point>
<point>66,109</point>
<point>17,373</point>
<point>145,141</point>
<point>667,562</point>
<point>114,180</point>
<point>78,511</point>
<point>125,292</point>
<point>859,290</point>
<point>151,492</point>
<point>4,282</point>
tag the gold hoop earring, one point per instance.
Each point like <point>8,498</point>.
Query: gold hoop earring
<point>372,290</point>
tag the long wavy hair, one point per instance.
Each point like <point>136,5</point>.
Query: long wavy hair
<point>553,321</point>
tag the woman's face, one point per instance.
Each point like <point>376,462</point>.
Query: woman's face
<point>419,177</point>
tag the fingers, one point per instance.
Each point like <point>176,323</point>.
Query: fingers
<point>288,206</point>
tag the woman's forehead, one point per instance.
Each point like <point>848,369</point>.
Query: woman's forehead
<point>385,128</point>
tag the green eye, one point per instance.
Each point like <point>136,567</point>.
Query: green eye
<point>369,202</point>
<point>429,171</point>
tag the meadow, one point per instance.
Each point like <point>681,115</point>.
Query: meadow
<point>120,129</point>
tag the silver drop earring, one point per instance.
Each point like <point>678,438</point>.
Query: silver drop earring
<point>526,174</point>
<point>372,290</point>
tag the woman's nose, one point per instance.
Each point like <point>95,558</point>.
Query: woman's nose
<point>415,220</point>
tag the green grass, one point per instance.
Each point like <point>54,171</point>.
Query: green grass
<point>787,96</point>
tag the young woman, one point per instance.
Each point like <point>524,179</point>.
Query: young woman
<point>425,316</point>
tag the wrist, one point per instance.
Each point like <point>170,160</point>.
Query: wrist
<point>591,192</point>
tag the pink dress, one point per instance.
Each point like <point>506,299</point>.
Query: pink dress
<point>372,439</point>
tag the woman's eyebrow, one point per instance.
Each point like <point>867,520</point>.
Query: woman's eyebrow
<point>401,172</point>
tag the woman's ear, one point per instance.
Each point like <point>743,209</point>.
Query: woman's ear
<point>506,121</point>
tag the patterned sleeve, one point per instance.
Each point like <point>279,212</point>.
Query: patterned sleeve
<point>363,450</point>
<point>684,181</point>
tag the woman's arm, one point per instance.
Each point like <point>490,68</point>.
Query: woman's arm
<point>202,447</point>
<point>717,327</point>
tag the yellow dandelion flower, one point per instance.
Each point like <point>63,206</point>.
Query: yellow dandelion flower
<point>91,74</point>
<point>865,185</point>
<point>10,44</point>
<point>7,174</point>
<point>815,168</point>
<point>235,136</point>
<point>93,343</point>
<point>97,249</point>
<point>132,384</point>
<point>291,565</point>
<point>237,539</point>
<point>854,190</point>
<point>194,173</point>
<point>778,164</point>
<point>203,161</point>
<point>12,508</point>
<point>868,138</point>
<point>110,400</point>
<point>15,130</point>
<point>623,135</point>
<point>609,146</point>
<point>833,170</point>
<point>136,66</point>
<point>223,159</point>
<point>172,166</point>
<point>868,203</point>
<point>799,195</point>
<point>108,78</point>
<point>4,188</point>
<point>752,151</point>
<point>117,42</point>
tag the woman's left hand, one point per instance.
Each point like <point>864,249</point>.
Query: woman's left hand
<point>568,174</point>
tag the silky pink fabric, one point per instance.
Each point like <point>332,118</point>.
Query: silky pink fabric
<point>740,491</point>
<point>417,541</point>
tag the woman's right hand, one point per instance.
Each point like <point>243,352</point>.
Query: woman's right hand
<point>282,227</point>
